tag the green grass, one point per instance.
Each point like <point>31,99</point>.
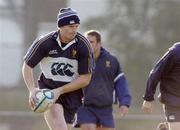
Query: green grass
<point>16,99</point>
<point>38,123</point>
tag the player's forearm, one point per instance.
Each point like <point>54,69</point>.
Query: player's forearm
<point>153,80</point>
<point>122,91</point>
<point>28,76</point>
<point>80,82</point>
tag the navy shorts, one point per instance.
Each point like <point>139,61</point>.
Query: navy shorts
<point>99,116</point>
<point>69,101</point>
<point>172,113</point>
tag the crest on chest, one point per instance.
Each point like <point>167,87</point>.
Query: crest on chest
<point>108,64</point>
<point>74,53</point>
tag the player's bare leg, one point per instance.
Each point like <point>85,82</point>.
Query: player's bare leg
<point>104,128</point>
<point>55,118</point>
<point>174,125</point>
<point>69,126</point>
<point>89,126</point>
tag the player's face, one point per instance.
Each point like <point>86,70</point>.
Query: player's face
<point>68,32</point>
<point>95,45</point>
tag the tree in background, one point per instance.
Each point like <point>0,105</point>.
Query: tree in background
<point>140,31</point>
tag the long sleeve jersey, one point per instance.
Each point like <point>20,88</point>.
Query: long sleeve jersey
<point>167,73</point>
<point>107,77</point>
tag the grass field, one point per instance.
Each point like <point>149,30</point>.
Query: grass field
<point>37,123</point>
<point>17,100</point>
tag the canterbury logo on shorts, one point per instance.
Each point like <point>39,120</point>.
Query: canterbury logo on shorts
<point>171,117</point>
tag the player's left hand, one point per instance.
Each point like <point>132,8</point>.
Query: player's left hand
<point>57,93</point>
<point>124,110</point>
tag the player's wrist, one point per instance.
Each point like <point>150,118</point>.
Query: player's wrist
<point>125,105</point>
<point>57,93</point>
<point>33,88</point>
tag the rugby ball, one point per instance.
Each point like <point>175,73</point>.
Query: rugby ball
<point>44,100</point>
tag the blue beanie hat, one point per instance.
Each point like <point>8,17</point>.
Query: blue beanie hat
<point>67,16</point>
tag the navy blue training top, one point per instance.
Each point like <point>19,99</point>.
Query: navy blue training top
<point>60,64</point>
<point>107,77</point>
<point>167,73</point>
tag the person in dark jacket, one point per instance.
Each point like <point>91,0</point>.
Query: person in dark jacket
<point>167,73</point>
<point>96,112</point>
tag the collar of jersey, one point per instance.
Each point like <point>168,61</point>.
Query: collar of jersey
<point>68,44</point>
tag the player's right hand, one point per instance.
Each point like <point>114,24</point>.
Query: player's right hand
<point>147,106</point>
<point>32,97</point>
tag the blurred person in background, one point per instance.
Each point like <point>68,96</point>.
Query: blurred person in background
<point>96,113</point>
<point>167,73</point>
<point>66,61</point>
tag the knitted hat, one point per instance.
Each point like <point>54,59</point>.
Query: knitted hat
<point>67,16</point>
